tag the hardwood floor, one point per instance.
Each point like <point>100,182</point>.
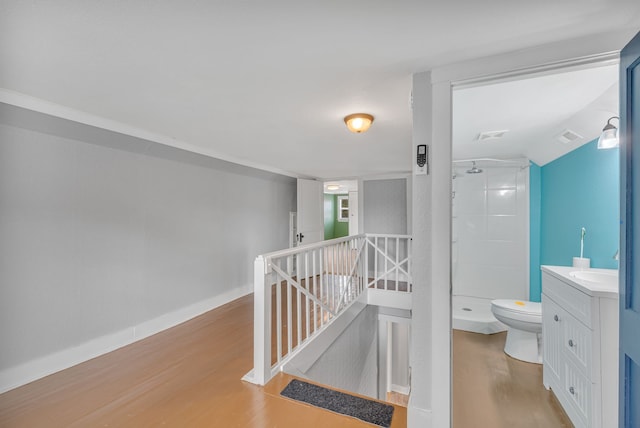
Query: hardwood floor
<point>187,376</point>
<point>391,285</point>
<point>398,398</point>
<point>491,389</point>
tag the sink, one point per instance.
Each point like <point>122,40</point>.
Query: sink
<point>596,277</point>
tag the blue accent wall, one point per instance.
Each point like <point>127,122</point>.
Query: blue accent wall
<point>580,189</point>
<point>535,202</point>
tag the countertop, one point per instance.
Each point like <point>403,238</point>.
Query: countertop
<point>591,288</point>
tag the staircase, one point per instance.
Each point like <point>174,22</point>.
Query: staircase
<point>305,297</point>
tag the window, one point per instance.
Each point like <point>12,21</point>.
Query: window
<point>343,208</point>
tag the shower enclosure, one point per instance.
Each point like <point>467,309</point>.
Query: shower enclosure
<point>490,239</point>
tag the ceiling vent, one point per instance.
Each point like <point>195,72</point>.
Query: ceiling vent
<point>568,136</point>
<point>491,135</point>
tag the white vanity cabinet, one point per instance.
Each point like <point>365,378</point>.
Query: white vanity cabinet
<point>580,346</point>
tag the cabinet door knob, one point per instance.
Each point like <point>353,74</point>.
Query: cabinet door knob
<point>571,390</point>
<point>570,343</point>
<point>555,318</point>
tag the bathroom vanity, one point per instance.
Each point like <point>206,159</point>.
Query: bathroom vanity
<point>580,342</point>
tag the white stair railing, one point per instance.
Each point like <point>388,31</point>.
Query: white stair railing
<point>389,258</point>
<point>298,292</point>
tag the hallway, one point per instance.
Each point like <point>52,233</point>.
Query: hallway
<point>187,376</point>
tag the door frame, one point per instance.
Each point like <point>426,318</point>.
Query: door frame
<point>430,403</point>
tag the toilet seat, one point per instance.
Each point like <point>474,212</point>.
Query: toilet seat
<point>524,320</point>
<point>518,310</point>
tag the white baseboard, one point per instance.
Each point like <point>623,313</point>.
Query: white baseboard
<point>419,418</point>
<point>35,369</point>
<point>400,389</point>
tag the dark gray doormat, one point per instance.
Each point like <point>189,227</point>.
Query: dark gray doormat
<point>361,408</point>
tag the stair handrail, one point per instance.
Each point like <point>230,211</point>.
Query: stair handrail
<point>317,281</point>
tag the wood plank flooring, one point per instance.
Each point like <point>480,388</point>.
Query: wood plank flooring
<point>187,376</point>
<point>398,398</point>
<point>491,389</point>
<point>391,285</point>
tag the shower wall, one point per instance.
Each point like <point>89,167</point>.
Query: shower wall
<point>490,236</point>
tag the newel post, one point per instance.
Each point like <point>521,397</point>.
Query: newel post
<point>366,263</point>
<point>261,323</point>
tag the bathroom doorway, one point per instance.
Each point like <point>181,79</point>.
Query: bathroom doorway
<point>507,136</point>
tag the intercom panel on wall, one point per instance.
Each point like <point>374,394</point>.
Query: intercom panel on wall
<point>422,159</point>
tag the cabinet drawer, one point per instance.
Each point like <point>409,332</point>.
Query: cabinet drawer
<point>574,301</point>
<point>576,343</point>
<point>577,392</point>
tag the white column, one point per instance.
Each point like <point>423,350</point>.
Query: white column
<point>420,402</point>
<point>430,401</point>
<point>441,254</point>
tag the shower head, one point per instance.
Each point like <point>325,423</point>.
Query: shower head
<point>474,169</point>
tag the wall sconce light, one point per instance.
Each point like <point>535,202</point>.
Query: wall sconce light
<point>358,122</point>
<point>609,137</point>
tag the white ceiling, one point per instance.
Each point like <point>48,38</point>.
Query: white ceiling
<point>268,83</point>
<point>534,111</point>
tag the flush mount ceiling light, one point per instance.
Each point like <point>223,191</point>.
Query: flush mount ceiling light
<point>333,187</point>
<point>358,122</point>
<point>609,137</point>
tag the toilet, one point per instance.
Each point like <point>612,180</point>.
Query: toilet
<point>524,322</point>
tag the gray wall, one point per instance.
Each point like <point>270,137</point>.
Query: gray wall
<point>400,346</point>
<point>99,231</point>
<point>351,362</point>
<point>385,206</point>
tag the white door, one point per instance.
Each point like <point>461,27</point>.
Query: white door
<point>310,212</point>
<point>353,213</point>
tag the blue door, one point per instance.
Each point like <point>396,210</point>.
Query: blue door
<point>630,235</point>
